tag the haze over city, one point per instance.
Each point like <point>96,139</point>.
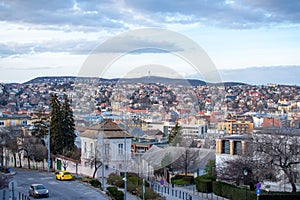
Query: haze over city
<point>54,38</point>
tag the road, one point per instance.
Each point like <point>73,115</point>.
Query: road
<point>58,190</point>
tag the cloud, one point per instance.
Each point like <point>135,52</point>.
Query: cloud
<point>121,15</point>
<point>85,15</point>
<point>225,13</point>
<point>82,47</point>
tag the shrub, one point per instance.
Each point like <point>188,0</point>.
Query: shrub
<point>150,194</point>
<point>204,183</point>
<point>95,183</point>
<point>132,188</point>
<point>114,179</point>
<point>182,180</point>
<point>113,191</point>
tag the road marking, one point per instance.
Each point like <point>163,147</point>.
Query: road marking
<point>53,182</point>
<point>45,178</point>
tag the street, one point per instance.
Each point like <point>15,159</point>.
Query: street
<point>58,190</point>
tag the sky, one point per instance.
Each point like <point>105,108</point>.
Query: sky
<point>55,38</point>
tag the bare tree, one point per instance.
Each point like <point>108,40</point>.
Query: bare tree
<point>232,169</point>
<point>280,148</point>
<point>96,160</point>
<point>10,141</point>
<point>186,160</point>
<point>273,154</point>
<point>28,145</point>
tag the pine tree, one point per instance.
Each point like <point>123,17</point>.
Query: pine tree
<point>56,130</point>
<point>68,125</point>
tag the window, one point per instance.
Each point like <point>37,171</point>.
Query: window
<point>106,149</point>
<point>237,148</point>
<point>1,123</point>
<point>120,149</point>
<point>24,122</point>
<point>84,147</point>
<point>91,147</point>
<point>226,147</point>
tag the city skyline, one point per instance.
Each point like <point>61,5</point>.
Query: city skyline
<point>55,38</point>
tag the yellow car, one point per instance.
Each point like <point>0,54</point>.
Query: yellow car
<point>63,176</point>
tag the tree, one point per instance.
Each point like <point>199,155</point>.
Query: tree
<point>56,135</point>
<point>279,148</point>
<point>95,160</point>
<point>186,160</point>
<point>68,125</point>
<point>232,168</point>
<point>210,168</point>
<point>40,129</point>
<point>166,163</point>
<point>61,126</point>
<point>13,142</point>
<point>33,148</point>
<point>175,135</point>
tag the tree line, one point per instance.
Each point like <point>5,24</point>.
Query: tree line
<point>32,142</point>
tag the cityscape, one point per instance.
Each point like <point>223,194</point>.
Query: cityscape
<point>150,100</point>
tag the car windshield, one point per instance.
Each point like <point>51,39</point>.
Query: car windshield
<point>39,187</point>
<point>66,173</point>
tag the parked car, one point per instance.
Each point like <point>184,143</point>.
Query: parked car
<point>63,176</point>
<point>38,190</point>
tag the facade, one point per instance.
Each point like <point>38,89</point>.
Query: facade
<point>233,126</point>
<point>14,120</point>
<point>188,130</point>
<point>107,143</point>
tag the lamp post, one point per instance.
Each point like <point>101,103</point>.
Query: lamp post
<point>125,176</point>
<point>49,161</point>
<point>245,174</point>
<point>48,144</point>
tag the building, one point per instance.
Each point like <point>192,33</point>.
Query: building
<point>237,125</point>
<point>108,143</point>
<point>14,120</point>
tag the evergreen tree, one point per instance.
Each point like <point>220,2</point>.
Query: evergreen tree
<point>57,138</point>
<point>175,135</point>
<point>68,125</point>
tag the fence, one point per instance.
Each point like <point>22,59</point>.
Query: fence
<point>170,191</point>
<point>9,195</point>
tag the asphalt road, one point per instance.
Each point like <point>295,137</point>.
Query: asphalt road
<point>58,190</point>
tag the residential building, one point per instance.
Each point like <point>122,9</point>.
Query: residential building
<point>107,143</point>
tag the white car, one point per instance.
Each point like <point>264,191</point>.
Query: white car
<point>38,190</point>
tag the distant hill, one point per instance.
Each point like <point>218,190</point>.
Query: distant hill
<point>281,75</point>
<point>148,79</point>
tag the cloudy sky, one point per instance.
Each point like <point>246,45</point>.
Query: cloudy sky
<point>48,38</point>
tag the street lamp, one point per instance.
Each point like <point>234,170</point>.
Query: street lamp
<point>245,174</point>
<point>48,145</point>
<point>125,176</point>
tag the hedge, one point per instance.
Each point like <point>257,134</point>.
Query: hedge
<point>114,192</point>
<point>204,183</point>
<point>95,183</point>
